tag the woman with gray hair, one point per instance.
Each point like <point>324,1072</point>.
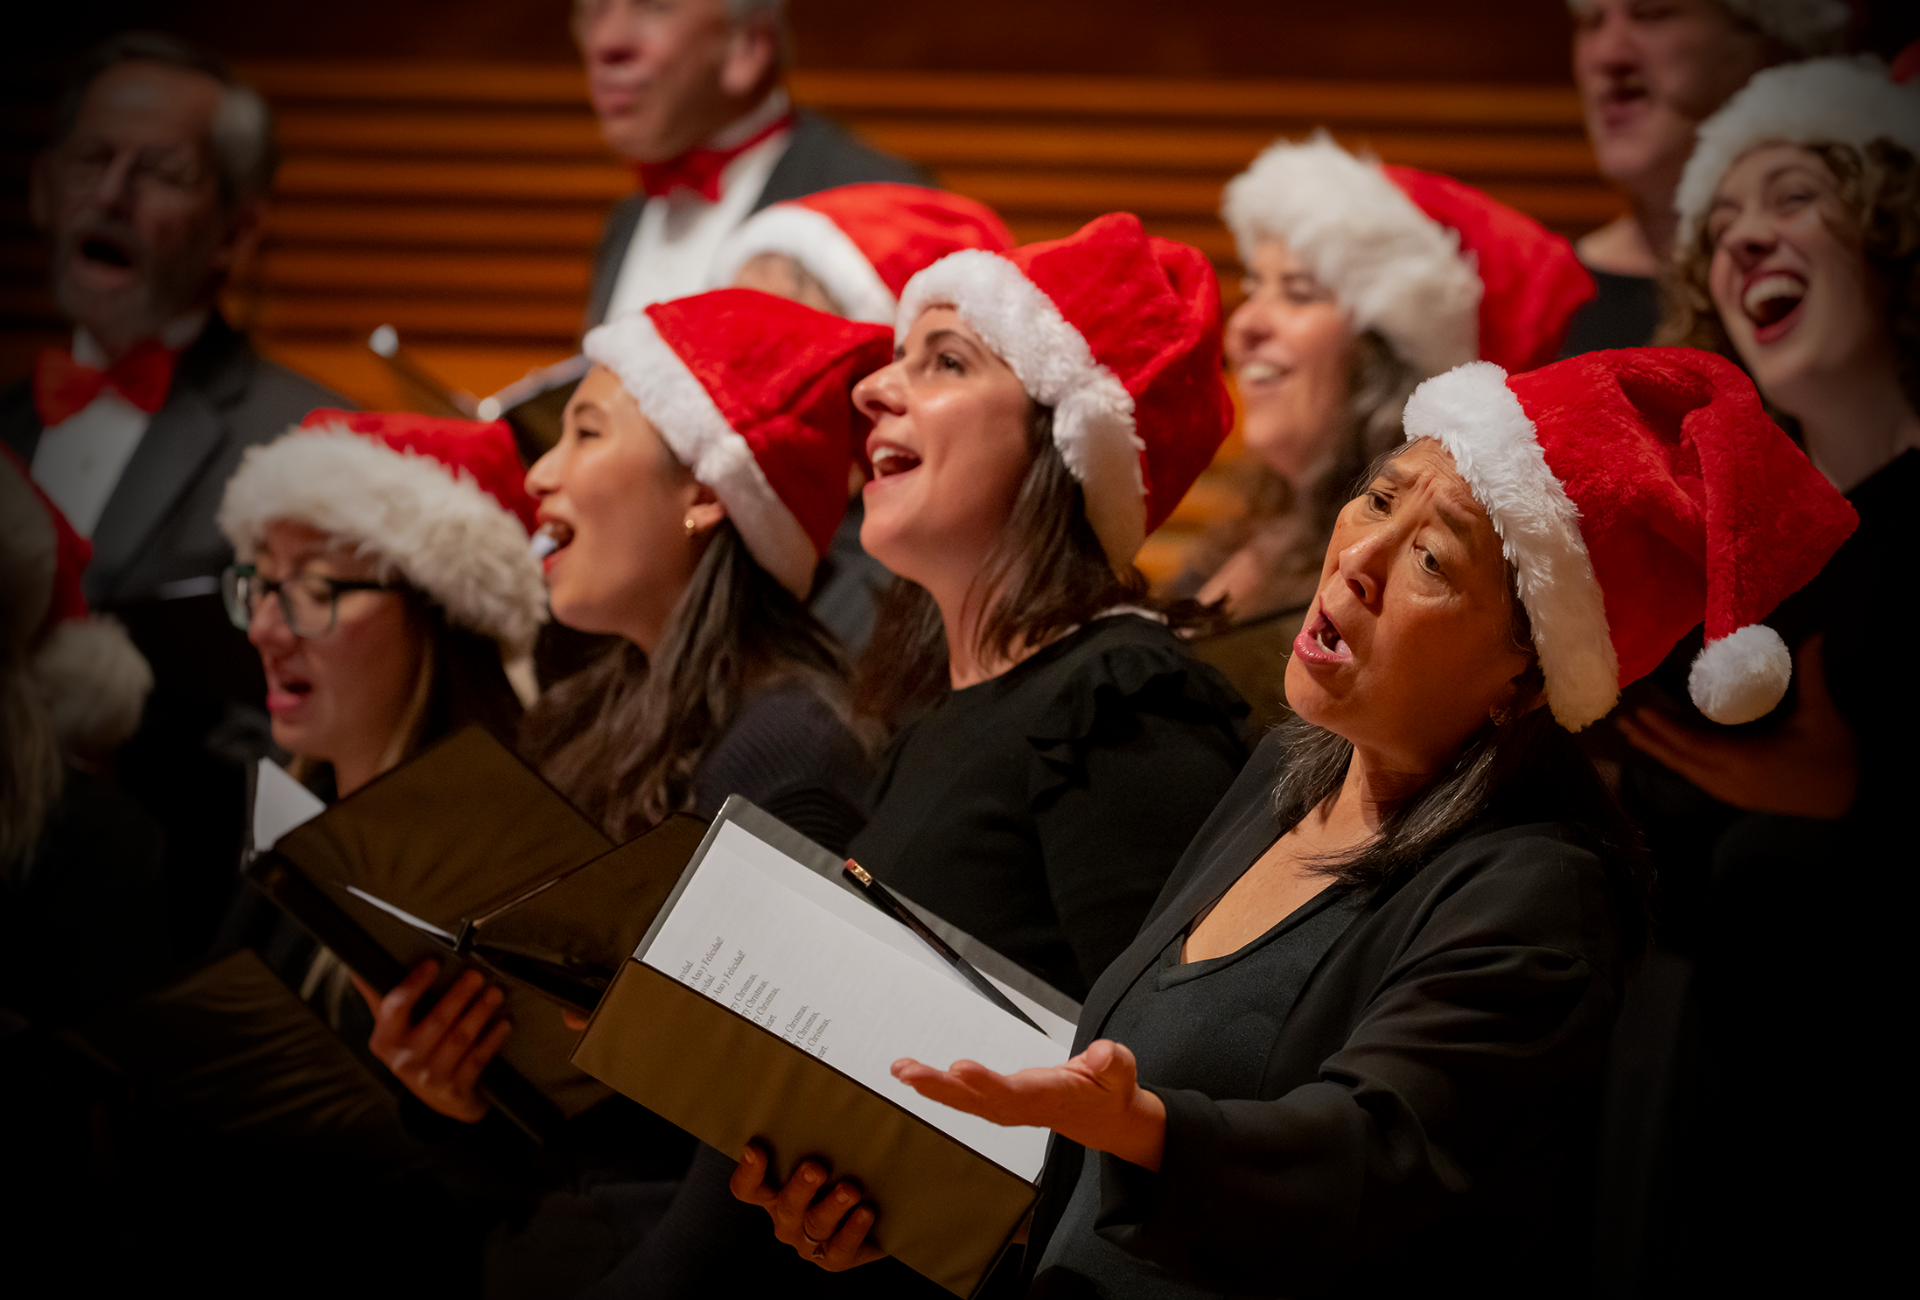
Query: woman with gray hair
<point>1362,280</point>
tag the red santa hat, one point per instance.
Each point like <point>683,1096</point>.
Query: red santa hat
<point>441,502</point>
<point>93,679</point>
<point>754,394</point>
<point>1822,101</point>
<point>1638,493</point>
<point>864,242</point>
<point>1119,333</point>
<point>1443,272</point>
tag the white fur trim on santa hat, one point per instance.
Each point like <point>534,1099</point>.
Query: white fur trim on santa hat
<point>438,529</point>
<point>1741,676</point>
<point>813,240</point>
<point>1093,423</point>
<point>1389,265</point>
<point>95,683</point>
<point>1807,27</point>
<point>679,406</point>
<point>1476,417</point>
<point>1823,101</point>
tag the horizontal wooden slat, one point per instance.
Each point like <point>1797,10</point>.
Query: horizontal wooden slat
<point>436,317</point>
<point>450,181</point>
<point>1533,106</point>
<point>408,273</point>
<point>1223,151</point>
<point>379,224</point>
<point>547,135</point>
<point>857,92</point>
<point>532,84</point>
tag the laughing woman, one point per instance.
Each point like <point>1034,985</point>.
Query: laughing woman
<point>1351,1050</point>
<point>1799,256</point>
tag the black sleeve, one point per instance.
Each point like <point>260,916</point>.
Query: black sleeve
<point>1114,822</point>
<point>789,753</point>
<point>1475,1051</point>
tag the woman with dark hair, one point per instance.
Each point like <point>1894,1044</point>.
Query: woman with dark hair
<point>699,477</point>
<point>1046,410</point>
<point>1361,281</point>
<point>1352,1049</point>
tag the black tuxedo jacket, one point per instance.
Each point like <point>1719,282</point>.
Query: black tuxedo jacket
<point>821,156</point>
<point>158,526</point>
<point>1422,1100</point>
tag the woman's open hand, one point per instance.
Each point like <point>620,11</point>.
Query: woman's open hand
<point>1095,1099</point>
<point>440,1058</point>
<point>830,1229</point>
<point>1810,767</point>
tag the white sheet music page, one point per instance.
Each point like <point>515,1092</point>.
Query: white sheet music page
<point>762,935</point>
<point>280,803</point>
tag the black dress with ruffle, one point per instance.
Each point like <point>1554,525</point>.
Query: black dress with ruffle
<point>1041,810</point>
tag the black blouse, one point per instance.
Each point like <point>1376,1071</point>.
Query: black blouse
<point>1404,1123</point>
<point>1040,811</point>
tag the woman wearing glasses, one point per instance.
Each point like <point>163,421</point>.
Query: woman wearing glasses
<point>386,581</point>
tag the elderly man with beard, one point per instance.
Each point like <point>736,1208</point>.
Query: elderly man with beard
<point>1649,74</point>
<point>150,192</point>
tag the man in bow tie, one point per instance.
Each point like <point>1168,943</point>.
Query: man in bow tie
<point>689,92</point>
<point>150,192</point>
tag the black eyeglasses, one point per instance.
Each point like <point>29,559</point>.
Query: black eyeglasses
<point>309,603</point>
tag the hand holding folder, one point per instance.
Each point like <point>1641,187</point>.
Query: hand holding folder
<point>770,998</point>
<point>466,856</point>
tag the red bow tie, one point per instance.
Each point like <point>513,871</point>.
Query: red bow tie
<point>63,387</point>
<point>699,169</point>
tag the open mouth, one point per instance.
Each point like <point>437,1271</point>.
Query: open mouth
<point>553,537</point>
<point>1771,300</point>
<point>1621,100</point>
<point>1256,373</point>
<point>1320,641</point>
<point>891,461</point>
<point>103,251</point>
<point>285,694</point>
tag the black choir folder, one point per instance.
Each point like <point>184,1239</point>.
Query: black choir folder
<point>467,856</point>
<point>766,1000</point>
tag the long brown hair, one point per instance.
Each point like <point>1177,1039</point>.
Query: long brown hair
<point>1048,569</point>
<point>624,736</point>
<point>1880,190</point>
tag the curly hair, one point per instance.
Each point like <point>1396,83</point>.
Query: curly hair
<point>1880,192</point>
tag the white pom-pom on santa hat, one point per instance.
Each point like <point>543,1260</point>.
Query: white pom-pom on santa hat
<point>92,678</point>
<point>1849,102</point>
<point>1741,676</point>
<point>1638,494</point>
<point>95,682</point>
